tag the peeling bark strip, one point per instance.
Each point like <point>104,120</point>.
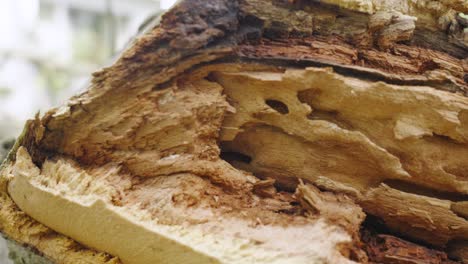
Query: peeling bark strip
<point>258,131</point>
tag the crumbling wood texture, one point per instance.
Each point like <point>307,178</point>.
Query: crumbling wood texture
<point>256,131</point>
<point>390,249</point>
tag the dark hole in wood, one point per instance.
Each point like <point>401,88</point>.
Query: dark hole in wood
<point>279,106</point>
<point>231,156</point>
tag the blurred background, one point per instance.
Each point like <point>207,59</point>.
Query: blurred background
<point>49,48</point>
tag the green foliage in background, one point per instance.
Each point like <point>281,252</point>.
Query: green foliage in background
<point>23,255</point>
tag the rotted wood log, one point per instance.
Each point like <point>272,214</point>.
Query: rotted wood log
<point>258,131</point>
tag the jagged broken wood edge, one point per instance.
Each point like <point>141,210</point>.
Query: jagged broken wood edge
<point>22,233</point>
<point>180,42</point>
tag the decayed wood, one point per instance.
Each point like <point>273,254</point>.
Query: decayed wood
<point>258,131</point>
<point>390,249</point>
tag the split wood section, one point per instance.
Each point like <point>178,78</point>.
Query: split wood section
<point>258,132</point>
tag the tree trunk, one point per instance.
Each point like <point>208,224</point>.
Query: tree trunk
<point>256,131</point>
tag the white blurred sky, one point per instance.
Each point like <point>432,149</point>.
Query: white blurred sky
<point>26,39</point>
<point>166,4</point>
<point>20,17</point>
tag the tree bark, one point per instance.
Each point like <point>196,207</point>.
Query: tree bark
<point>258,131</point>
